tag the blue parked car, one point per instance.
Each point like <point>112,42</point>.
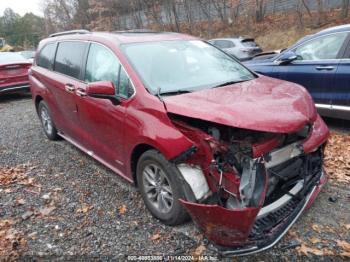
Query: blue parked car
<point>320,63</point>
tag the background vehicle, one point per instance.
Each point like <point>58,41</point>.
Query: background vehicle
<point>172,114</point>
<point>5,47</point>
<point>13,73</point>
<point>241,48</point>
<point>319,62</point>
<point>28,54</point>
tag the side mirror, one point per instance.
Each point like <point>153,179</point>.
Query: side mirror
<point>103,90</point>
<point>287,58</point>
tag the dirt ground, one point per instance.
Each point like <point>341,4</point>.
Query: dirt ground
<point>56,202</point>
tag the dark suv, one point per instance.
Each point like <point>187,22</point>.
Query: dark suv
<point>195,130</point>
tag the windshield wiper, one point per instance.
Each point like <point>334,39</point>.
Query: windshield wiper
<point>175,92</point>
<point>229,83</point>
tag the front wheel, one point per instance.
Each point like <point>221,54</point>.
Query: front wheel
<point>46,121</point>
<point>160,187</point>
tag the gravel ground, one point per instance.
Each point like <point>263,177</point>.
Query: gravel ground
<point>72,206</point>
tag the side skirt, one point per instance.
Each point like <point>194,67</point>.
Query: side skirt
<point>96,157</point>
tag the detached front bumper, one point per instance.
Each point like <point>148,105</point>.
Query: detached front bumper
<point>236,232</point>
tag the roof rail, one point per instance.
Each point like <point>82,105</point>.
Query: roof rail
<point>71,32</point>
<point>135,31</point>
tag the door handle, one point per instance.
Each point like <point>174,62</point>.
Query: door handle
<point>69,88</point>
<point>328,68</point>
<point>80,92</point>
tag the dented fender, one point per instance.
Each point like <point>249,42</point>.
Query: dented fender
<point>318,136</point>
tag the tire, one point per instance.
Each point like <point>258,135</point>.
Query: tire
<point>47,122</point>
<point>173,214</point>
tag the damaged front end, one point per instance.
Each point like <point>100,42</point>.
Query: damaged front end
<point>249,186</point>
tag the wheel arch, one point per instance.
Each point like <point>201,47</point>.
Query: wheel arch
<point>135,156</point>
<point>37,100</point>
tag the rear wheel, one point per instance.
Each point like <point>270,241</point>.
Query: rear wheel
<point>160,187</point>
<point>46,121</point>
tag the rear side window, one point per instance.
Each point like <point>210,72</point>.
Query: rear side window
<point>249,43</point>
<point>224,44</point>
<point>46,56</point>
<point>69,58</point>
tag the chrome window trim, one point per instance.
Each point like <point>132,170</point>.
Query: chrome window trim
<point>333,107</point>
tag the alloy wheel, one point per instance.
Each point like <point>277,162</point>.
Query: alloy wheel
<point>157,188</point>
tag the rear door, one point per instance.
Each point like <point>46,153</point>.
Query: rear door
<point>66,80</point>
<point>316,66</point>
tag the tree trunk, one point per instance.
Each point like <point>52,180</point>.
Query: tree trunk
<point>345,9</point>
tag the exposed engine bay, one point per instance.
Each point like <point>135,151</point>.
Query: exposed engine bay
<point>257,175</point>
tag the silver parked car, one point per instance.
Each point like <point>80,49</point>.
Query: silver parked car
<point>241,48</point>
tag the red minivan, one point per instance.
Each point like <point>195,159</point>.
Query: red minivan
<point>195,130</point>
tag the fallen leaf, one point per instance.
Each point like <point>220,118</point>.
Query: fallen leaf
<point>305,250</point>
<point>314,240</point>
<point>155,237</point>
<point>338,166</point>
<point>316,228</point>
<point>85,209</point>
<point>122,210</point>
<point>328,252</point>
<point>46,210</point>
<point>20,201</point>
<point>33,235</point>
<point>345,254</point>
<point>344,245</point>
<point>199,251</point>
<point>347,226</point>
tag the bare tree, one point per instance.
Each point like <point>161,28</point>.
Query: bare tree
<point>260,10</point>
<point>320,9</point>
<point>306,7</point>
<point>345,8</point>
<point>205,6</point>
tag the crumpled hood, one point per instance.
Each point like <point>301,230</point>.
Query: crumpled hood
<point>262,104</point>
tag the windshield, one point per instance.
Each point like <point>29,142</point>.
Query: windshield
<point>10,58</point>
<point>27,54</point>
<point>173,66</point>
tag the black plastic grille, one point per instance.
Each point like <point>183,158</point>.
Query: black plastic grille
<point>264,224</point>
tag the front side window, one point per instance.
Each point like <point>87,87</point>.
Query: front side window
<point>326,47</point>
<point>170,66</point>
<point>102,65</point>
<point>124,87</point>
<point>69,58</point>
<point>46,56</point>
